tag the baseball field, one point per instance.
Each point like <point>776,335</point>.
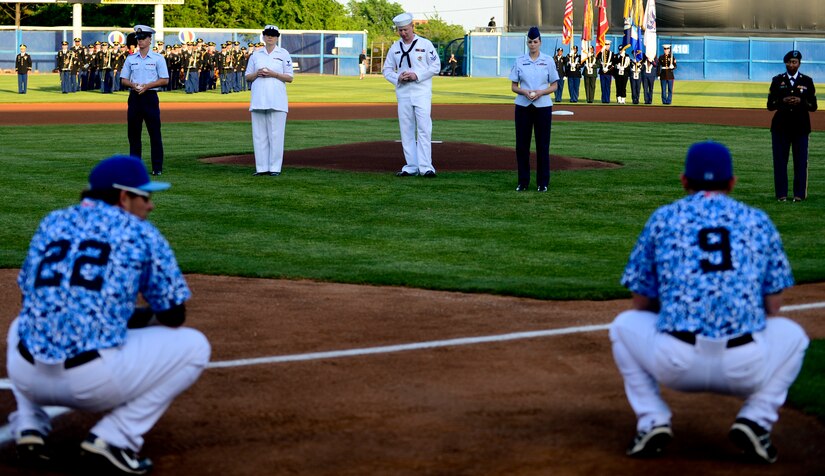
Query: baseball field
<point>366,324</point>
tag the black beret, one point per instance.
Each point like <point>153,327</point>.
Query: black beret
<point>793,54</point>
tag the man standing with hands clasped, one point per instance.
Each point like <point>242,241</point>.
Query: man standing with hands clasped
<point>793,97</point>
<point>145,73</point>
<point>410,65</point>
<point>267,71</point>
<point>706,273</point>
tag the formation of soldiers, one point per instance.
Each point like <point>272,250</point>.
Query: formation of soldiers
<point>195,66</point>
<point>92,67</point>
<point>622,68</point>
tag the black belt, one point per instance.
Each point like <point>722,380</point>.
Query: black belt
<point>690,338</point>
<point>70,363</point>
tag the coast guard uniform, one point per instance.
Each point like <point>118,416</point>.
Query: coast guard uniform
<point>414,99</point>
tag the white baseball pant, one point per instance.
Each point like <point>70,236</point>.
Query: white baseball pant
<point>761,371</point>
<point>136,381</point>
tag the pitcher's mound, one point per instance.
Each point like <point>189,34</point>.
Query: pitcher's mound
<point>388,156</point>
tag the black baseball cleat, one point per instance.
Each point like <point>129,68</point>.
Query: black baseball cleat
<point>404,173</point>
<point>157,172</point>
<point>521,188</point>
<point>650,443</point>
<point>541,189</point>
<point>429,174</point>
<point>754,440</point>
<point>31,449</point>
<point>260,174</point>
<point>112,458</point>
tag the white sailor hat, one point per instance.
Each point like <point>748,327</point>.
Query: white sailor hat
<point>665,47</point>
<point>144,29</point>
<point>403,19</point>
<point>607,42</point>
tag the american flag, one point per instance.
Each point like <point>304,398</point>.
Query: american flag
<point>567,24</point>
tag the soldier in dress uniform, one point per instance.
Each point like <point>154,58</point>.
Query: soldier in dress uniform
<point>793,97</point>
<point>240,67</point>
<point>192,66</point>
<point>561,66</point>
<point>606,67</point>
<point>23,64</point>
<point>649,68</point>
<point>107,64</point>
<point>667,64</point>
<point>64,60</point>
<point>213,72</point>
<point>636,76</point>
<point>622,72</point>
<point>77,65</point>
<point>573,72</point>
<point>95,66</point>
<point>204,67</point>
<point>590,73</point>
<point>227,68</point>
<point>119,58</point>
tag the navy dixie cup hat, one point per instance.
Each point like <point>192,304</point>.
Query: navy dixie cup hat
<point>533,33</point>
<point>124,172</point>
<point>708,161</point>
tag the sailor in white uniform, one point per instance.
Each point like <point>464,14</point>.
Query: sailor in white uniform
<point>410,65</point>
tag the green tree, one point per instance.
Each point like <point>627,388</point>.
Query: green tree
<point>376,16</point>
<point>438,31</point>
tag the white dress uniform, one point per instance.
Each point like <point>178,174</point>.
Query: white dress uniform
<point>269,107</point>
<point>414,99</point>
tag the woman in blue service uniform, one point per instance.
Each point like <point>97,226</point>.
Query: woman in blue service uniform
<point>534,78</point>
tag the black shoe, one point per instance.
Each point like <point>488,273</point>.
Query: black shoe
<point>31,448</point>
<point>541,189</point>
<point>429,174</point>
<point>121,459</point>
<point>274,174</point>
<point>521,188</point>
<point>404,173</point>
<point>260,174</point>
<point>650,443</point>
<point>754,440</point>
<point>797,199</point>
<point>155,172</point>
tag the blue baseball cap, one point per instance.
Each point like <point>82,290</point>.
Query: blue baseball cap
<point>124,172</point>
<point>708,161</point>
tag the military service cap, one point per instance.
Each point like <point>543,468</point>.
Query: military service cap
<point>793,54</point>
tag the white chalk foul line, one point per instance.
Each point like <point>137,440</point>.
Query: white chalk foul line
<point>404,347</point>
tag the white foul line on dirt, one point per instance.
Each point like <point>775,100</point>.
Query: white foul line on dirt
<point>404,347</point>
<point>5,384</point>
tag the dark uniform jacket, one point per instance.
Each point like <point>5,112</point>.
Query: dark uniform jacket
<point>792,119</point>
<point>561,65</point>
<point>665,70</point>
<point>573,66</point>
<point>606,61</point>
<point>23,63</point>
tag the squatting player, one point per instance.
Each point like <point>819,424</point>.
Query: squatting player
<point>74,342</point>
<point>704,274</point>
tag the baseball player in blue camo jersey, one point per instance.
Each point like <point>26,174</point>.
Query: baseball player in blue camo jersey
<point>79,340</point>
<point>705,273</point>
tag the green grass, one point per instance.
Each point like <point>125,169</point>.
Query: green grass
<point>45,88</point>
<point>806,393</point>
<point>465,231</point>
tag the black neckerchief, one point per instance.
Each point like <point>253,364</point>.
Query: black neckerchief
<point>406,54</point>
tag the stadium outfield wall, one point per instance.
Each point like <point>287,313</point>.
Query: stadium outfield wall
<point>312,51</point>
<point>711,58</point>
